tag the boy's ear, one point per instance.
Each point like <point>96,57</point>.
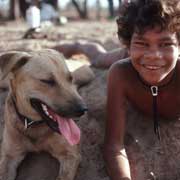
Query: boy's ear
<point>12,61</point>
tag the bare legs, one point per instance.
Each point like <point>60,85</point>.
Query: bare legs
<point>98,56</point>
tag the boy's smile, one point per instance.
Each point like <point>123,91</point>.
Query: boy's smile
<point>154,55</point>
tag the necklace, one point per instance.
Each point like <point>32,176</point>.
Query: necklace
<point>154,92</point>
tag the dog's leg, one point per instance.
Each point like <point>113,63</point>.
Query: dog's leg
<point>11,156</point>
<point>8,166</point>
<point>68,167</point>
<point>68,156</point>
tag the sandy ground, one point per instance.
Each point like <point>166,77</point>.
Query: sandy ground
<point>149,159</point>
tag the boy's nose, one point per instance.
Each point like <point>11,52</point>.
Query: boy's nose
<point>153,53</point>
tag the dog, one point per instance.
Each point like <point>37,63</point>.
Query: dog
<point>39,108</point>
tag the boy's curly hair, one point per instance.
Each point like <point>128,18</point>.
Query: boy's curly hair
<point>140,15</point>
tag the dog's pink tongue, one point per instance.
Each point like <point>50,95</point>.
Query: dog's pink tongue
<point>69,130</point>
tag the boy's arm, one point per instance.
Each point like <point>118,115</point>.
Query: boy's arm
<point>114,151</point>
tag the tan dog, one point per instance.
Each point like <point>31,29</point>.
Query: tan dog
<point>38,111</point>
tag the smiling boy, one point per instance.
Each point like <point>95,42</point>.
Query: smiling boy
<point>149,79</point>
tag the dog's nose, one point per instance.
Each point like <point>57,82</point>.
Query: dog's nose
<point>81,110</point>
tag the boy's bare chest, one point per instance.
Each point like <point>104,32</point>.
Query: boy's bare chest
<point>168,102</point>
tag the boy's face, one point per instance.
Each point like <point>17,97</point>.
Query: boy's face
<point>154,55</point>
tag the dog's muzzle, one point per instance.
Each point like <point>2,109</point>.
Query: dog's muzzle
<point>59,121</point>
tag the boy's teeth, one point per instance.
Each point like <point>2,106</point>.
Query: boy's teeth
<point>152,67</point>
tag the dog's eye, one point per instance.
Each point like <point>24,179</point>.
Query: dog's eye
<point>50,82</point>
<point>70,78</point>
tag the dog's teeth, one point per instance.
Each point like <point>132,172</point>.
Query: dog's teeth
<point>47,112</point>
<point>44,107</point>
<point>50,116</point>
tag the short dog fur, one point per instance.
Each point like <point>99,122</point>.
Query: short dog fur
<point>41,89</point>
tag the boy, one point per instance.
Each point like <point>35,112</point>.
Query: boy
<point>151,31</point>
<point>149,80</point>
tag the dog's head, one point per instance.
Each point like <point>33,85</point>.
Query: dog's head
<point>42,86</point>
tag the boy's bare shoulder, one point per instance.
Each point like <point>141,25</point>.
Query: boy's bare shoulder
<point>123,63</point>
<point>121,75</point>
<point>121,67</point>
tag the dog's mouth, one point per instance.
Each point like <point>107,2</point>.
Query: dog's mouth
<point>65,126</point>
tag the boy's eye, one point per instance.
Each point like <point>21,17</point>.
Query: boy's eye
<point>167,44</point>
<point>141,43</point>
<point>50,82</point>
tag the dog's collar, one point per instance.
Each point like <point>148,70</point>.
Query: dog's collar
<point>25,120</point>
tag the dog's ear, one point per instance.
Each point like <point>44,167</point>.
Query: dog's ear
<point>12,61</point>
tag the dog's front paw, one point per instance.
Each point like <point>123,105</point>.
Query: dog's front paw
<point>3,171</point>
<point>3,175</point>
<point>64,178</point>
<point>67,176</point>
<point>8,167</point>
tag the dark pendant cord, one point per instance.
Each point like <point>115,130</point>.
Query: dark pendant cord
<point>154,91</point>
